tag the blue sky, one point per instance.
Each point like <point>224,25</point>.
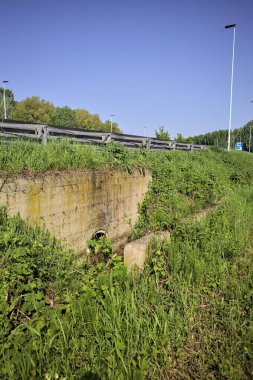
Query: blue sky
<point>150,63</point>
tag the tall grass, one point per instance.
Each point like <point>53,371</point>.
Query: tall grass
<point>23,156</point>
<point>188,316</point>
<point>187,182</point>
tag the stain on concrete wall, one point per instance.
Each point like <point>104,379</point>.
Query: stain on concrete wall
<point>74,205</point>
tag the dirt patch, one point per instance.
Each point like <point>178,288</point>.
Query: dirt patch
<point>197,216</point>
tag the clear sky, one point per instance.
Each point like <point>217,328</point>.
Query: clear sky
<point>150,63</point>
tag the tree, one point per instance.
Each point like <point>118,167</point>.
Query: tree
<point>33,110</point>
<point>180,137</point>
<point>87,120</point>
<point>162,134</point>
<point>245,135</point>
<point>115,127</point>
<point>36,110</point>
<point>63,117</point>
<point>9,101</point>
<point>215,138</point>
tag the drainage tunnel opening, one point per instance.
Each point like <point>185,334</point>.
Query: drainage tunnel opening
<point>99,247</point>
<point>99,234</point>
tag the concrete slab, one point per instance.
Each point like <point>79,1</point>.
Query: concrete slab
<point>135,252</point>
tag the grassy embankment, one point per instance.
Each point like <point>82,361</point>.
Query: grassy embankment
<point>189,315</point>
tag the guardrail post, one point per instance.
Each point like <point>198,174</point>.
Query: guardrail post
<point>38,132</point>
<point>106,139</point>
<point>144,142</point>
<point>44,135</point>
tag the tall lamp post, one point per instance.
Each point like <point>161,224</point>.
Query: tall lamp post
<point>231,84</point>
<point>250,133</point>
<point>111,122</point>
<point>5,81</point>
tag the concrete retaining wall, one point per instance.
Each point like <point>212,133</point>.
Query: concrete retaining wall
<point>75,205</point>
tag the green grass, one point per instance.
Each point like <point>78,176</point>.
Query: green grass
<point>213,258</point>
<point>184,183</point>
<point>25,156</point>
<point>188,316</point>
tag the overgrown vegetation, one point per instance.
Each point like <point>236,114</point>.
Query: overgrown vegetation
<point>187,316</point>
<point>26,156</point>
<point>162,134</point>
<point>185,183</point>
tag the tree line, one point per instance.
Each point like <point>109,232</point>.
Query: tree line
<point>220,138</point>
<point>36,110</point>
<point>217,138</point>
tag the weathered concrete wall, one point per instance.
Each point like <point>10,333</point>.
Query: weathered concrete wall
<point>74,205</point>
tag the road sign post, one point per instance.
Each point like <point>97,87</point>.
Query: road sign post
<point>238,145</point>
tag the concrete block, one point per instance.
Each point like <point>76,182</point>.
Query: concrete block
<point>135,252</point>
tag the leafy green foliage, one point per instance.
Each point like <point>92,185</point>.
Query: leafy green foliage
<point>190,312</point>
<point>107,127</point>
<point>64,117</point>
<point>30,263</point>
<point>180,138</point>
<point>33,110</point>
<point>87,120</point>
<point>100,250</point>
<point>188,315</point>
<point>162,134</point>
<point>184,183</point>
<point>37,110</point>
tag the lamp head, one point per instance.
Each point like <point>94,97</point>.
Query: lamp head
<point>230,26</point>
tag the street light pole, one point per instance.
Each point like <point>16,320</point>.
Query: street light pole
<point>250,133</point>
<point>231,85</point>
<point>249,137</point>
<point>5,81</point>
<point>111,122</point>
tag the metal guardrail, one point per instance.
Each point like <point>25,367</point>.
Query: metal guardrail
<point>45,133</point>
